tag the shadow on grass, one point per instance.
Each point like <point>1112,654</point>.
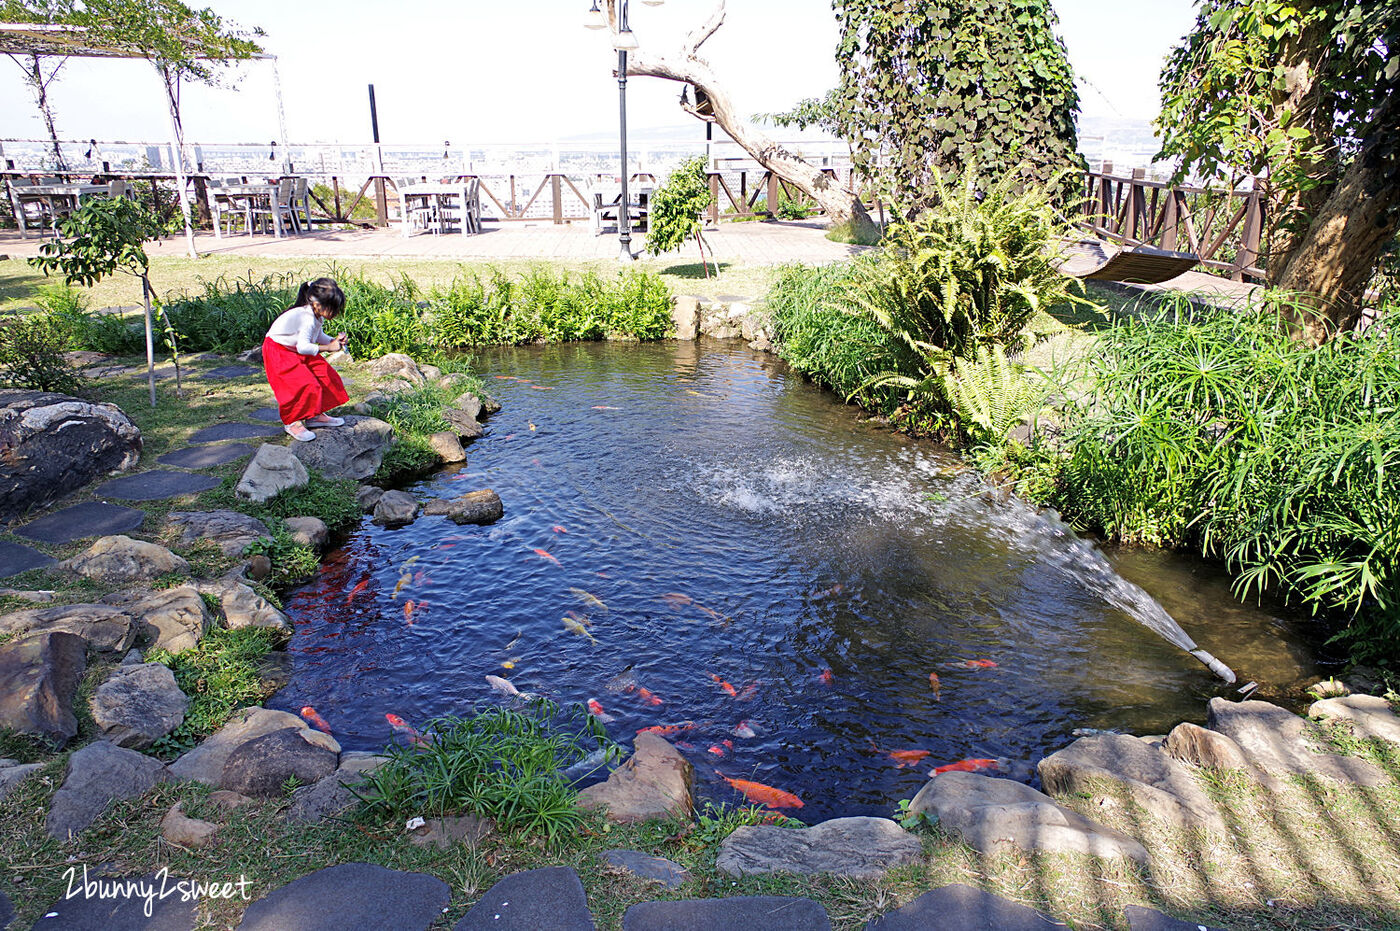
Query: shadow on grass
<point>696,270</point>
<point>18,280</point>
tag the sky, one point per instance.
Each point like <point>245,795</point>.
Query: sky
<point>478,72</point>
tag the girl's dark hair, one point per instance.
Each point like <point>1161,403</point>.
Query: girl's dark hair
<point>326,293</point>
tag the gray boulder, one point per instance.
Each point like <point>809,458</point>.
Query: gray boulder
<point>447,447</point>
<point>654,783</point>
<point>230,531</point>
<point>175,619</point>
<point>138,705</point>
<point>645,866</point>
<point>987,813</point>
<point>468,404</point>
<point>240,606</point>
<point>12,773</point>
<point>205,763</point>
<point>464,423</point>
<point>1200,746</point>
<point>351,896</point>
<point>260,767</point>
<point>1281,743</point>
<point>436,507</point>
<point>397,365</point>
<point>862,848</point>
<point>314,803</point>
<point>367,496</point>
<point>98,775</point>
<point>39,676</point>
<point>55,444</point>
<point>351,451</point>
<point>1368,715</point>
<point>120,560</point>
<point>273,470</point>
<point>1128,769</point>
<point>477,507</point>
<point>308,531</point>
<point>395,508</point>
<point>106,629</point>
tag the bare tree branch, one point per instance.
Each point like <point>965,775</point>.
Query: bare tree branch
<point>697,37</point>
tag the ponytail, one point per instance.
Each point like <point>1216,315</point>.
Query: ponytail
<point>325,292</point>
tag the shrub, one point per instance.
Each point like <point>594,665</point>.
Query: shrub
<point>231,316</point>
<point>31,353</point>
<point>220,676</point>
<point>676,208</point>
<point>414,411</point>
<point>292,562</point>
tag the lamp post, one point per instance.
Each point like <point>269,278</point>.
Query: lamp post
<point>624,41</point>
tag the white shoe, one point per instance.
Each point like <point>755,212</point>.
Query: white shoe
<point>327,421</point>
<point>305,435</point>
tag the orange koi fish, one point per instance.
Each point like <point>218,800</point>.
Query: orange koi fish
<point>543,554</point>
<point>408,609</point>
<point>728,689</point>
<point>907,757</point>
<point>682,745</point>
<point>744,730</point>
<point>356,590</point>
<point>749,691</point>
<point>667,730</point>
<point>595,709</point>
<point>410,733</point>
<point>827,676</point>
<point>557,528</point>
<point>542,387</point>
<point>976,664</point>
<point>966,766</point>
<point>314,719</point>
<point>937,687</point>
<point>761,794</point>
<point>717,750</point>
<point>604,407</point>
<point>648,697</point>
<point>504,377</point>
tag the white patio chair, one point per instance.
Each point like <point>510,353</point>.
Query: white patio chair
<point>279,212</point>
<point>301,204</point>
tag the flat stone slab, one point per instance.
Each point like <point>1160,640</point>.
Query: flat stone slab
<point>267,415</point>
<point>205,457</point>
<point>755,912</point>
<point>140,372</point>
<point>16,558</point>
<point>89,519</point>
<point>156,485</point>
<point>98,775</point>
<point>549,899</point>
<point>960,906</point>
<point>231,371</point>
<point>864,848</point>
<point>644,865</point>
<point>1279,742</point>
<point>1369,715</point>
<point>1149,919</point>
<point>351,895</point>
<point>234,431</point>
<point>118,903</point>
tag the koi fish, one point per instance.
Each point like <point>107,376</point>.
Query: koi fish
<point>314,719</point>
<point>409,564</point>
<point>748,692</point>
<point>574,627</point>
<point>694,392</point>
<point>558,529</point>
<point>543,554</point>
<point>937,687</point>
<point>532,425</point>
<point>976,664</point>
<point>506,688</point>
<point>666,730</point>
<point>356,590</point>
<point>966,766</point>
<point>406,730</point>
<point>445,546</point>
<point>593,601</point>
<point>404,580</point>
<point>682,745</point>
<point>677,600</point>
<point>581,618</point>
<point>907,757</point>
<point>728,689</point>
<point>508,436</point>
<point>761,794</point>
<point>597,711</point>
<point>508,664</point>
<point>827,676</point>
<point>504,377</point>
<point>514,640</point>
<point>648,697</point>
<point>418,577</point>
<point>625,681</point>
<point>604,407</point>
<point>717,750</point>
<point>408,609</point>
<point>744,730</point>
<point>542,387</point>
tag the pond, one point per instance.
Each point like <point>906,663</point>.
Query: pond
<point>774,570</point>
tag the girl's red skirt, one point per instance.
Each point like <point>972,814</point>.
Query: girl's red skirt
<point>303,385</point>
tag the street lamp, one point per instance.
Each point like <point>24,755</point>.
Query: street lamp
<point>624,41</point>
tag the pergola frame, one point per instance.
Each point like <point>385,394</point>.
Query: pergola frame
<point>64,41</point>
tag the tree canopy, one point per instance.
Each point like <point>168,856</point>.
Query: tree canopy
<point>978,85</point>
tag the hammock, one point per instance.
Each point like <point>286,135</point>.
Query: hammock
<point>1098,261</point>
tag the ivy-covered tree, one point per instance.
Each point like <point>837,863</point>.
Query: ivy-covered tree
<point>955,85</point>
<point>1302,94</point>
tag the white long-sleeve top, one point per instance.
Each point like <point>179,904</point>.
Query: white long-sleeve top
<point>299,328</point>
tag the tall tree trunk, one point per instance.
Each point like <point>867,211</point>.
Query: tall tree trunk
<point>686,67</point>
<point>1336,258</point>
<point>34,77</point>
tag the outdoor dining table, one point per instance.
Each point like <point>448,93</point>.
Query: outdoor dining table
<point>449,201</point>
<point>246,196</point>
<point>66,196</point>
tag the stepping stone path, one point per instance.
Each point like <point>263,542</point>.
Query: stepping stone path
<point>99,774</point>
<point>126,913</point>
<point>156,485</point>
<point>549,899</point>
<point>39,676</point>
<point>205,457</point>
<point>960,906</point>
<point>1147,919</point>
<point>863,848</point>
<point>644,865</point>
<point>267,415</point>
<point>16,558</point>
<point>758,912</point>
<point>225,372</point>
<point>230,531</point>
<point>234,431</point>
<point>89,519</point>
<point>352,895</point>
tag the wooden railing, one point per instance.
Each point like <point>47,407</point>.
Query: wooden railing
<point>1222,227</point>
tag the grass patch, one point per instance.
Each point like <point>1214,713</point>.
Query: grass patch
<point>220,676</point>
<point>406,459</point>
<point>330,499</point>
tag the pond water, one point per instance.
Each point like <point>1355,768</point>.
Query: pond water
<point>744,527</point>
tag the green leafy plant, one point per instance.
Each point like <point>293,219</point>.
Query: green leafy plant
<point>990,395</point>
<point>676,208</point>
<point>32,348</point>
<point>330,499</point>
<point>220,676</point>
<point>292,562</point>
<point>406,458</point>
<point>714,823</point>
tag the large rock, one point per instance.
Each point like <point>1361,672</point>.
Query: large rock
<point>120,560</point>
<point>654,783</point>
<point>205,763</point>
<point>55,444</point>
<point>397,366</point>
<point>1281,743</point>
<point>1201,746</point>
<point>751,912</point>
<point>352,451</point>
<point>240,606</point>
<point>351,896</point>
<point>175,619</point>
<point>230,531</point>
<point>862,848</point>
<point>468,404</point>
<point>274,469</point>
<point>314,803</point>
<point>260,767</point>
<point>986,813</point>
<point>961,906</point>
<point>106,629</point>
<point>645,866</point>
<point>367,496</point>
<point>308,531</point>
<point>184,831</point>
<point>1369,716</point>
<point>1127,768</point>
<point>395,508</point>
<point>464,423</point>
<point>446,446</point>
<point>535,900</point>
<point>138,705</point>
<point>685,317</point>
<point>39,676</point>
<point>476,507</point>
<point>99,774</point>
<point>12,773</point>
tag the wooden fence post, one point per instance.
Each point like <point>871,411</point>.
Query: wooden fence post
<point>1248,253</point>
<point>554,192</point>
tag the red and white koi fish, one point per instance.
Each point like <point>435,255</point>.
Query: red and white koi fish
<point>408,608</point>
<point>406,730</point>
<point>967,766</point>
<point>761,794</point>
<point>604,407</point>
<point>744,730</point>
<point>728,689</point>
<point>558,528</point>
<point>973,664</point>
<point>544,554</point>
<point>314,719</point>
<point>667,730</point>
<point>937,686</point>
<point>595,709</point>
<point>648,697</point>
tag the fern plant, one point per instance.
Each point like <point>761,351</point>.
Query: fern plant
<point>989,395</point>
